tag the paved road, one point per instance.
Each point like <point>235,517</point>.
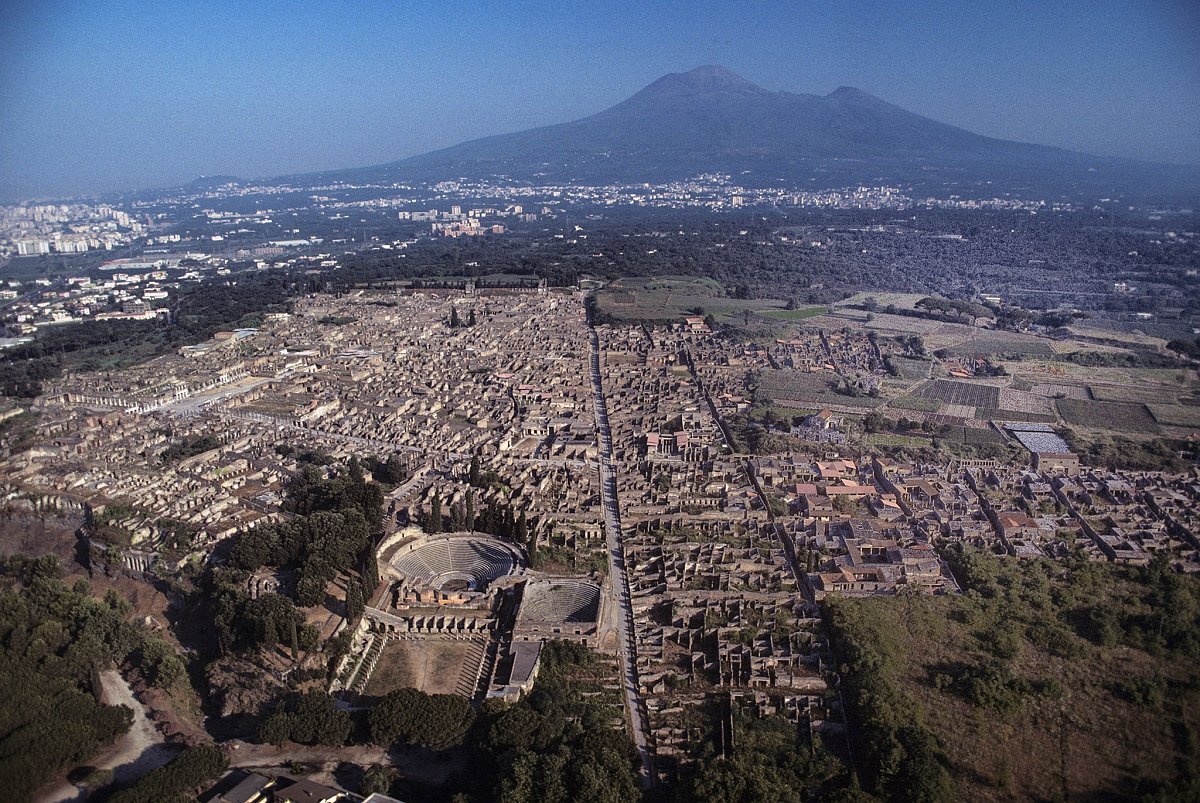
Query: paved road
<point>620,582</point>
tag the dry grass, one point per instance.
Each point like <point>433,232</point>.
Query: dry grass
<point>431,665</point>
<point>1087,743</point>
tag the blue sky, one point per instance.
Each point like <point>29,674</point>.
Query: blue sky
<point>99,96</point>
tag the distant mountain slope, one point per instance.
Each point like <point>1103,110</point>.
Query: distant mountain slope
<point>710,120</point>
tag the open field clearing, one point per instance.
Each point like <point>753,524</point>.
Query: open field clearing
<point>1117,336</point>
<point>1021,402</point>
<point>429,665</point>
<point>899,324</point>
<point>1112,416</point>
<point>898,300</point>
<point>667,299</point>
<point>911,369</point>
<point>1176,415</point>
<point>782,386</point>
<point>1062,718</point>
<point>948,391</point>
<point>794,314</point>
<point>888,439</point>
<point>1054,390</point>
<point>1002,343</point>
<point>918,403</point>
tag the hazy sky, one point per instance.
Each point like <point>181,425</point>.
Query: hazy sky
<point>117,95</point>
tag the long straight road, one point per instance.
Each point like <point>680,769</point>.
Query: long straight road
<point>627,641</point>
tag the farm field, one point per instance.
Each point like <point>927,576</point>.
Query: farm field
<point>1112,416</point>
<point>948,391</point>
<point>887,324</point>
<point>1002,343</point>
<point>911,369</point>
<point>665,299</point>
<point>1125,393</point>
<point>1133,338</point>
<point>1053,390</point>
<point>1018,401</point>
<point>794,314</point>
<point>889,439</point>
<point>786,385</point>
<point>916,403</point>
<point>1176,415</point>
<point>898,300</point>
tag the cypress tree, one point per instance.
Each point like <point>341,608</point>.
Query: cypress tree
<point>435,514</point>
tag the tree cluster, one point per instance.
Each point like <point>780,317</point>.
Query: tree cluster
<point>180,780</point>
<point>310,719</point>
<point>409,716</point>
<point>769,762</point>
<point>53,642</point>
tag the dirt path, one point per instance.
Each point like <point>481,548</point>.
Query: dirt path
<point>136,753</point>
<point>267,756</point>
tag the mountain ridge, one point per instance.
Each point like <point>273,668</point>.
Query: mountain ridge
<point>710,119</point>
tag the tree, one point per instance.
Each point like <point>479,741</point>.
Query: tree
<point>276,729</point>
<point>408,716</point>
<point>161,664</point>
<point>435,514</point>
<point>311,719</point>
<point>473,473</point>
<point>454,321</point>
<point>268,619</point>
<point>180,780</point>
<point>317,721</point>
<point>354,602</point>
<point>391,471</point>
<point>377,778</point>
<point>471,317</point>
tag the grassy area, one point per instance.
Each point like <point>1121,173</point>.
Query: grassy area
<point>794,314</point>
<point>1044,681</point>
<point>667,299</point>
<point>888,439</point>
<point>883,299</point>
<point>1176,415</point>
<point>762,412</point>
<point>1110,416</point>
<point>917,403</point>
<point>1003,343</point>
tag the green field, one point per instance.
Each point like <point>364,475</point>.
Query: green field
<point>916,403</point>
<point>794,314</point>
<point>1111,416</point>
<point>665,299</point>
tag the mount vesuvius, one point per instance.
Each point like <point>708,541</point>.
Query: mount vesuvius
<point>712,120</point>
